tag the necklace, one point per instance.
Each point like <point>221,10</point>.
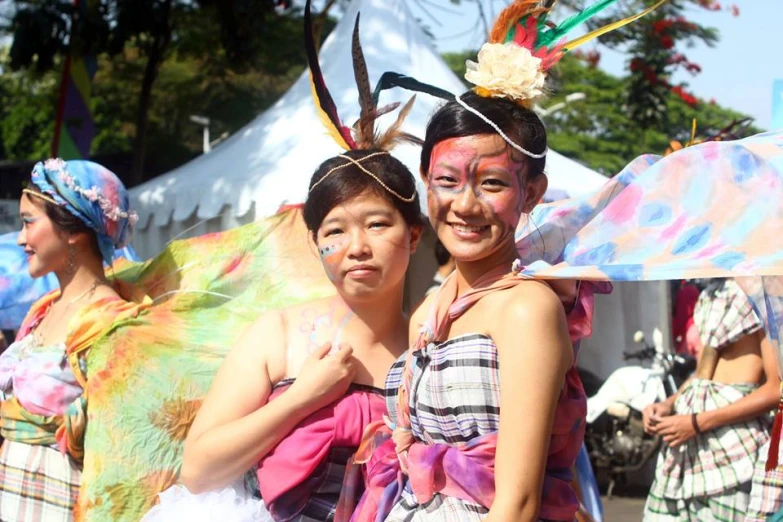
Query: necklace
<point>38,337</point>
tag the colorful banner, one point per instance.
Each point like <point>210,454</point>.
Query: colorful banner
<point>74,127</point>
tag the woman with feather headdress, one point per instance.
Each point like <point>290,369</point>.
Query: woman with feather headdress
<point>296,391</point>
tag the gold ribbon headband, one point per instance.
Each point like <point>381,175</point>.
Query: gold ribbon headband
<point>358,164</point>
<point>40,195</point>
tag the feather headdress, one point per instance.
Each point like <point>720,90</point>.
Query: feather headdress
<point>363,135</point>
<point>523,45</point>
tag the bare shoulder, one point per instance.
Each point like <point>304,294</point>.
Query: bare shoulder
<point>529,321</point>
<point>528,301</point>
<point>263,337</point>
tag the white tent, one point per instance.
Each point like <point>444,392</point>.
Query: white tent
<point>269,162</point>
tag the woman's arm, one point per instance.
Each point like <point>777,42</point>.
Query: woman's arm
<point>758,402</point>
<point>535,354</point>
<point>235,426</point>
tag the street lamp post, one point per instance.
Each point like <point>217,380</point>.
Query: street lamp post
<point>204,122</point>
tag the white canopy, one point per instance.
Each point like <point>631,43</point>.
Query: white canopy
<point>269,162</point>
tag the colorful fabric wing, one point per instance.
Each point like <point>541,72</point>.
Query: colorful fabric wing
<point>18,291</point>
<point>147,380</point>
<point>711,210</point>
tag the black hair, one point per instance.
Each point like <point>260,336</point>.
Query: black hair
<point>64,221</point>
<point>441,254</point>
<point>350,181</point>
<point>521,125</point>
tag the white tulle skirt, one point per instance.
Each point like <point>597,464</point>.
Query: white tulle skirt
<point>231,504</point>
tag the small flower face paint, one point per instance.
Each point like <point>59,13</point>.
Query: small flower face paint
<point>365,245</point>
<point>475,195</point>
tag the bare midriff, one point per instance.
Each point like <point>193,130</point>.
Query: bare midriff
<point>740,362</point>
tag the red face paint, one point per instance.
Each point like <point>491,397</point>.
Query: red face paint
<point>475,195</point>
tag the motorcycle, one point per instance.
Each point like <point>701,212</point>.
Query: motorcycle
<point>615,437</point>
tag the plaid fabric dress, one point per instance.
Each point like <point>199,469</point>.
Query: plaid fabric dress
<point>724,316</point>
<point>37,484</point>
<point>709,477</point>
<point>766,495</point>
<point>457,390</point>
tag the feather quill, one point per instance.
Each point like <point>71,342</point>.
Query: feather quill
<point>389,80</point>
<point>573,44</point>
<point>327,111</point>
<point>502,29</point>
<point>393,135</point>
<point>365,128</point>
<point>550,36</point>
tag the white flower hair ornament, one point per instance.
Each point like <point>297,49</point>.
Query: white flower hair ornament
<point>523,45</point>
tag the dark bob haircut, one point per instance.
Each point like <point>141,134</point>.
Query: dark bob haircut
<point>349,182</point>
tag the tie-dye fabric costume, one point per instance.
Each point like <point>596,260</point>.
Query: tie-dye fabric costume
<point>705,211</point>
<point>42,414</point>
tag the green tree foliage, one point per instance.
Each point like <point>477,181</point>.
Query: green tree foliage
<point>656,46</point>
<point>145,40</point>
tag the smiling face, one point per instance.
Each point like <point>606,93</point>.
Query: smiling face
<point>46,247</point>
<point>476,194</point>
<point>365,246</point>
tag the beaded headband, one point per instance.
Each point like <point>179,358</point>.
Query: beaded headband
<point>358,164</point>
<point>40,195</point>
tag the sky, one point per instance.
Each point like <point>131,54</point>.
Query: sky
<point>738,72</point>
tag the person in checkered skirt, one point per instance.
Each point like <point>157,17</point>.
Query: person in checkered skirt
<point>716,427</point>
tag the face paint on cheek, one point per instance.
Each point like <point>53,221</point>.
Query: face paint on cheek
<point>331,255</point>
<point>505,207</point>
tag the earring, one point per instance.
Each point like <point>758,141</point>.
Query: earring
<point>71,259</point>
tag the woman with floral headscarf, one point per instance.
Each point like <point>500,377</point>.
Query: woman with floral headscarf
<point>74,215</point>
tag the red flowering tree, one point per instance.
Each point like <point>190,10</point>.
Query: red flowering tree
<point>656,47</point>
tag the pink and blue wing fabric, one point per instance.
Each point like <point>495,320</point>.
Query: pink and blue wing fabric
<point>711,210</point>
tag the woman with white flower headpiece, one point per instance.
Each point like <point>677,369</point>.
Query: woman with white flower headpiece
<point>486,410</point>
<point>74,215</point>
